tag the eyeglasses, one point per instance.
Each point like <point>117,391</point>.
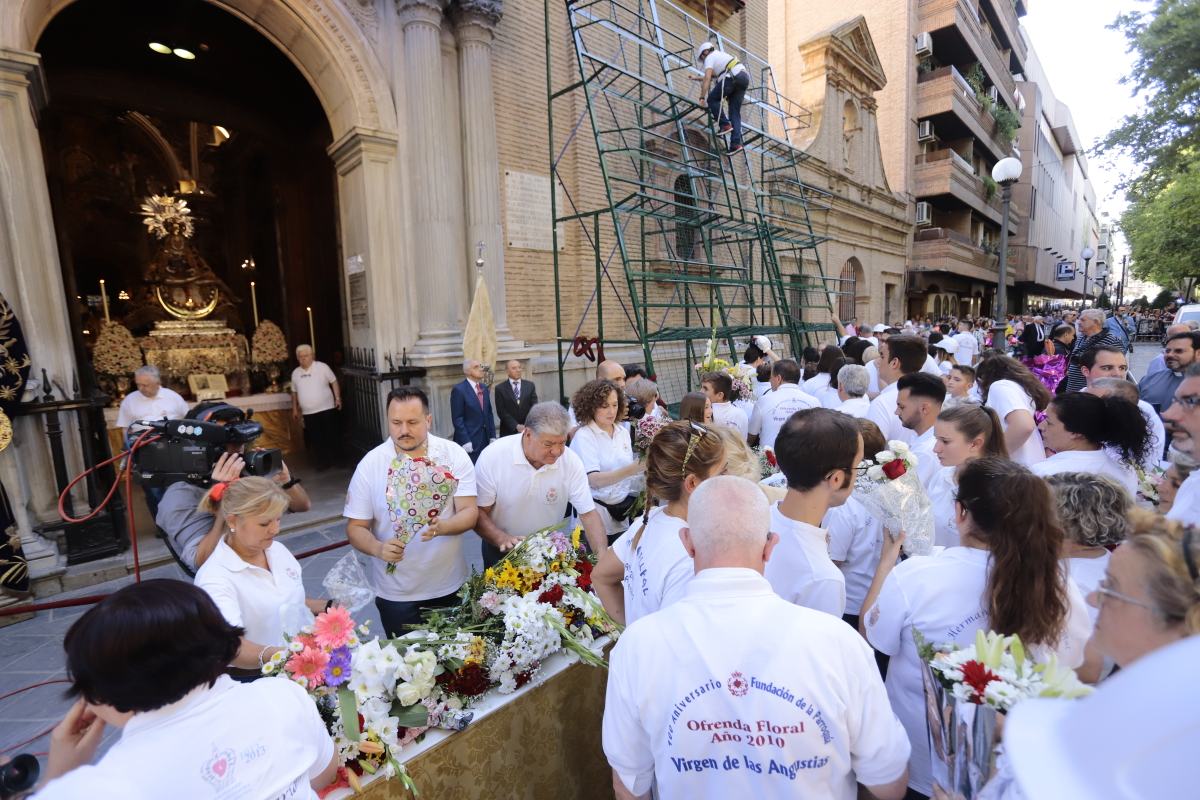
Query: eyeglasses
<point>698,432</point>
<point>1189,401</point>
<point>1103,590</point>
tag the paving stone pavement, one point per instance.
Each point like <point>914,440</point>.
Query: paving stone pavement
<point>31,651</point>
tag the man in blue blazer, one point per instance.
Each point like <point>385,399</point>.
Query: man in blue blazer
<point>471,411</point>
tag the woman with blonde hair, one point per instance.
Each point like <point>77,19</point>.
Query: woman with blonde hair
<point>742,461</point>
<point>254,580</point>
<point>649,558</point>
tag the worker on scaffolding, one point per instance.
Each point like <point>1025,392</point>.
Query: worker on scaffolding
<point>724,78</point>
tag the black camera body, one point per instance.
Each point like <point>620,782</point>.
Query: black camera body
<point>188,449</point>
<point>635,409</point>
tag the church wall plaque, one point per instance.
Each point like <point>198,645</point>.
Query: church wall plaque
<point>527,211</point>
<point>360,308</point>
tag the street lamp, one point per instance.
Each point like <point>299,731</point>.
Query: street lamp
<point>1006,172</point>
<point>1086,255</point>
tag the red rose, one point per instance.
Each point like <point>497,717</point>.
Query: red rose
<point>894,469</point>
<point>553,596</point>
<point>771,458</point>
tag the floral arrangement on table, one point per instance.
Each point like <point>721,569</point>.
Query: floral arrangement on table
<point>891,491</point>
<point>268,347</point>
<point>646,429</point>
<point>378,696</point>
<point>968,689</point>
<point>417,492</point>
<point>116,352</point>
<point>741,375</point>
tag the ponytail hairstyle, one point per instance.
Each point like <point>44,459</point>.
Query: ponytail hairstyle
<point>253,496</point>
<point>973,420</point>
<point>996,367</point>
<point>1171,552</point>
<point>679,449</point>
<point>1109,421</point>
<point>1012,511</point>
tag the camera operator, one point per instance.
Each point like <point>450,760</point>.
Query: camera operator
<point>193,534</point>
<point>641,398</point>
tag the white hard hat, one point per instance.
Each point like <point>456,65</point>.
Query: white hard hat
<point>704,48</point>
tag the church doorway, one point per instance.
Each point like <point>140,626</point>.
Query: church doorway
<point>184,100</point>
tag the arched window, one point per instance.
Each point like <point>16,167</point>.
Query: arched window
<point>848,289</point>
<point>687,233</point>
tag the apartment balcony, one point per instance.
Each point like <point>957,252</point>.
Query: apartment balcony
<point>953,23</point>
<point>1007,14</point>
<point>944,96</point>
<point>946,174</point>
<point>945,250</point>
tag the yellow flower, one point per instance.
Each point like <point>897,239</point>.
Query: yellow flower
<point>576,536</point>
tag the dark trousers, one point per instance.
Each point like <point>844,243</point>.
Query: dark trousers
<point>321,437</point>
<point>881,659</point>
<point>491,554</point>
<point>732,88</point>
<point>396,614</point>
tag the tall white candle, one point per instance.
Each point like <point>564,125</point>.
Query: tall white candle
<point>254,302</point>
<point>104,299</point>
<point>312,337</point>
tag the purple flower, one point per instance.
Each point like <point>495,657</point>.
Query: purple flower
<point>338,670</point>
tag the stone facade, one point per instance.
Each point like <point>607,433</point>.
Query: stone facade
<point>432,104</point>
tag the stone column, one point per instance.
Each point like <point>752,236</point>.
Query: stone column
<point>31,280</point>
<point>440,280</point>
<point>476,24</point>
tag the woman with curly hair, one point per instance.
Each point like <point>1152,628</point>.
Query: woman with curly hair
<point>1093,512</point>
<point>1079,426</point>
<point>603,445</point>
<point>1012,391</point>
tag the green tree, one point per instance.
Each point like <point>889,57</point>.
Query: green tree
<point>1163,230</point>
<point>1163,137</point>
<point>1163,299</point>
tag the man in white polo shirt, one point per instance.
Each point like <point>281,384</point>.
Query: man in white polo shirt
<point>718,388</point>
<point>526,481</point>
<point>316,398</point>
<point>899,355</point>
<point>152,400</point>
<point>785,399</point>
<point>918,402</point>
<point>732,692</point>
<point>429,568</point>
<point>818,451</point>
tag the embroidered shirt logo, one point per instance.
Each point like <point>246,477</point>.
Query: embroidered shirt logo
<point>552,495</point>
<point>737,684</point>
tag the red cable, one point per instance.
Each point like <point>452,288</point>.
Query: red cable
<point>31,739</point>
<point>32,686</point>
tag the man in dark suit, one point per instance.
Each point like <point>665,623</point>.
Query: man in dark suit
<point>514,398</point>
<point>471,411</point>
<point>1034,337</point>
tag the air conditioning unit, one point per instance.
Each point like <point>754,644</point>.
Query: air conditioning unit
<point>925,130</point>
<point>924,45</point>
<point>924,214</point>
<point>994,95</point>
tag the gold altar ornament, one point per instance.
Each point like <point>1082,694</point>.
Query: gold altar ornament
<point>6,431</point>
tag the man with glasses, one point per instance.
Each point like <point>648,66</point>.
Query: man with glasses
<point>1184,414</point>
<point>1159,388</point>
<point>525,482</point>
<point>818,450</point>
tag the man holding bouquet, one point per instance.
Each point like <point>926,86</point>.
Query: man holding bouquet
<point>408,501</point>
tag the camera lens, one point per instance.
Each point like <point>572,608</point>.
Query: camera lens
<point>19,775</point>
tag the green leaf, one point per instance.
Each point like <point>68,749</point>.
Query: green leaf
<point>416,716</point>
<point>348,707</point>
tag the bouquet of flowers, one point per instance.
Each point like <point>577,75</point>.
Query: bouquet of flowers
<point>646,429</point>
<point>1148,482</point>
<point>418,491</point>
<point>891,491</point>
<point>966,689</point>
<point>741,375</point>
<point>116,352</point>
<point>268,346</point>
<point>767,463</point>
<point>533,603</point>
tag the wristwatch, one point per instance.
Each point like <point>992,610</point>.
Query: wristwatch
<point>290,484</point>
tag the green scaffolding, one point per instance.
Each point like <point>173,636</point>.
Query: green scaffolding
<point>708,245</point>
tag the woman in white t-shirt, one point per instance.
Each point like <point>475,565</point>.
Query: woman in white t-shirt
<point>1016,395</point>
<point>962,433</point>
<point>827,366</point>
<point>1079,426</point>
<point>647,568</point>
<point>254,580</point>
<point>1005,577</point>
<point>605,448</point>
<point>1094,512</point>
<point>149,659</point>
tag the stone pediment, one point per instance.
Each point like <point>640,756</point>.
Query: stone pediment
<point>855,50</point>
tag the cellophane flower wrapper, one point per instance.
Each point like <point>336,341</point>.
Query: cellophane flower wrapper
<point>346,583</point>
<point>901,505</point>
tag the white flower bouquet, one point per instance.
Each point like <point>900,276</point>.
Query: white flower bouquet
<point>967,689</point>
<point>892,493</point>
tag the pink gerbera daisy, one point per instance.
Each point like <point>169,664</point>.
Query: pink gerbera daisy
<point>333,628</point>
<point>310,664</point>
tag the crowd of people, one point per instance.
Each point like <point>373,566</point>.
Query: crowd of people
<point>773,628</point>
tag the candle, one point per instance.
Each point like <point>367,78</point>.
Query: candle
<point>312,337</point>
<point>104,299</point>
<point>254,303</point>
